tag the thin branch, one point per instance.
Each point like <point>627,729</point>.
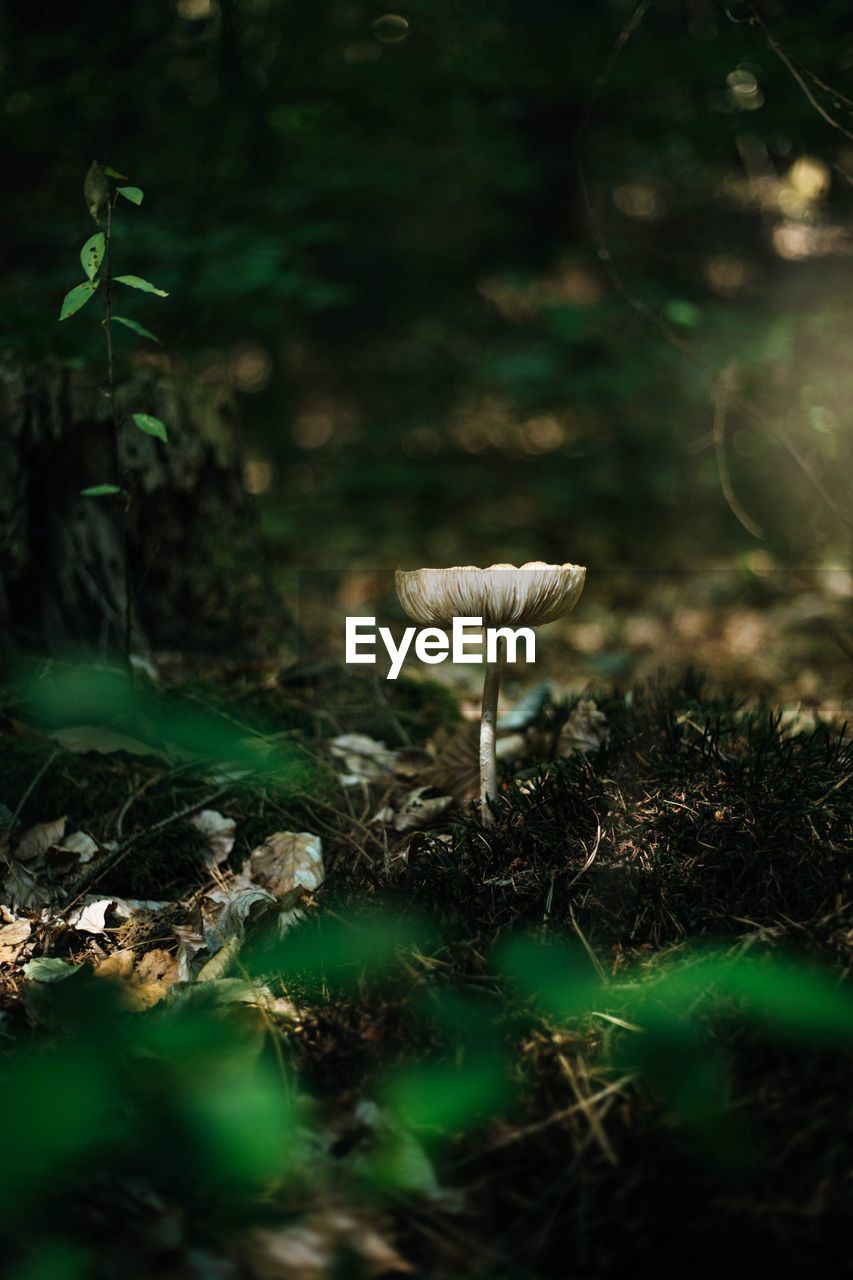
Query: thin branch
<point>108,330</point>
<point>30,789</point>
<point>787,61</point>
<point>720,405</point>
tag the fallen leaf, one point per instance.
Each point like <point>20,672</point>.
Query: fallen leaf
<point>12,940</point>
<point>126,908</point>
<point>156,972</point>
<point>119,966</point>
<point>456,770</point>
<point>586,729</point>
<point>419,809</point>
<point>21,887</point>
<point>49,969</point>
<point>85,738</point>
<point>219,832</point>
<point>287,860</point>
<point>216,968</point>
<point>231,909</point>
<point>81,844</point>
<point>35,842</point>
<point>315,1248</point>
<point>363,759</point>
<point>91,916</point>
<point>190,942</point>
<point>144,982</point>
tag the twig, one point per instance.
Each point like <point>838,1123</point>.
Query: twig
<point>108,330</point>
<point>590,857</point>
<point>596,1128</point>
<point>787,61</point>
<point>593,958</point>
<point>719,435</point>
<point>556,1117</point>
<point>31,788</point>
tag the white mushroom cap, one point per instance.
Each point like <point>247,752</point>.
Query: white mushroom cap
<point>502,595</point>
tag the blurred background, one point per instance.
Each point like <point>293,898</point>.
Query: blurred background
<point>375,234</point>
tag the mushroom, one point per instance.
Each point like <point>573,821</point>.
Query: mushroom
<point>503,596</point>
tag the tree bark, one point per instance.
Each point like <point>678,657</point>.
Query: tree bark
<point>197,573</point>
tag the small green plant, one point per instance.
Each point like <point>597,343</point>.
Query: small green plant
<point>102,188</point>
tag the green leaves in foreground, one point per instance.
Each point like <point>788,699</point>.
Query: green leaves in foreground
<point>668,1024</point>
<point>151,426</point>
<point>68,695</point>
<point>133,194</point>
<point>77,298</point>
<point>145,286</point>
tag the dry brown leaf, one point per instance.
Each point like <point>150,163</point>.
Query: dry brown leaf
<point>218,965</point>
<point>35,842</point>
<point>190,942</point>
<point>119,965</point>
<point>419,809</point>
<point>362,759</point>
<point>585,730</point>
<point>156,971</point>
<point>285,861</point>
<point>314,1248</point>
<point>144,983</point>
<point>219,833</point>
<point>13,938</point>
<point>21,887</point>
<point>456,770</point>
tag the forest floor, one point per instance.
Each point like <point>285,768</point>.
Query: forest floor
<point>278,1005</point>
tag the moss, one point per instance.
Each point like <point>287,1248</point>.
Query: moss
<point>56,782</point>
<point>337,701</point>
<point>164,864</point>
<point>422,707</point>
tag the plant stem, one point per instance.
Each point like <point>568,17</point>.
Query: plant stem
<point>108,330</point>
<point>488,732</point>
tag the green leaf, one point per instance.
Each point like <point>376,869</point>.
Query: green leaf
<point>441,1096</point>
<point>114,173</point>
<point>133,194</point>
<point>77,298</point>
<point>151,426</point>
<point>92,254</point>
<point>136,282</point>
<point>96,189</point>
<point>100,490</point>
<point>136,327</point>
<point>49,969</point>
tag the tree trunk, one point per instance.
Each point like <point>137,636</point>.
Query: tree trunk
<point>187,531</point>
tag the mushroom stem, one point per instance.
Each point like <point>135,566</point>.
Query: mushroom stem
<point>488,732</point>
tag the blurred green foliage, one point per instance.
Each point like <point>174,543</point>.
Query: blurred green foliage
<point>191,1096</point>
<point>66,694</point>
<point>377,241</point>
